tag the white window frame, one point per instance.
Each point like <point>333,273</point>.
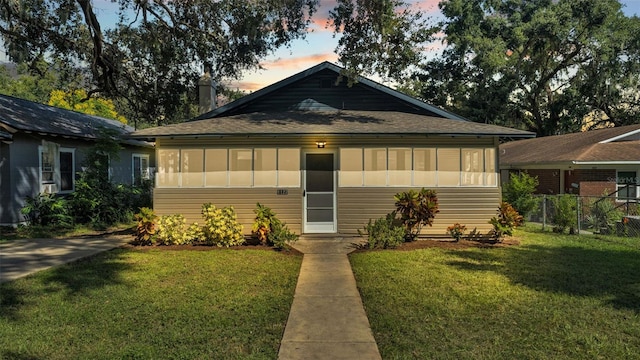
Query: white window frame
<point>144,175</point>
<point>620,185</point>
<point>55,186</point>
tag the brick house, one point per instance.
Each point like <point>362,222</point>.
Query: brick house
<point>587,163</point>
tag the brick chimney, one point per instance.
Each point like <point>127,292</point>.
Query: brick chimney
<point>207,97</point>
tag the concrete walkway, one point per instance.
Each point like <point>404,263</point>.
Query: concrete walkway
<point>20,258</point>
<point>327,319</point>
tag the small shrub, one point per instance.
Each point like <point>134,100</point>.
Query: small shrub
<point>47,210</point>
<point>506,221</point>
<point>265,220</point>
<point>383,233</point>
<point>280,237</point>
<point>221,227</point>
<point>604,215</point>
<point>269,230</point>
<point>415,210</point>
<point>518,192</point>
<point>171,230</point>
<point>146,226</point>
<point>565,213</point>
<point>194,233</point>
<point>456,231</point>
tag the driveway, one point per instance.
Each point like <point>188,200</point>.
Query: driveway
<point>20,258</point>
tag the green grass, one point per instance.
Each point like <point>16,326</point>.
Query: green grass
<point>551,297</point>
<point>9,233</point>
<point>151,304</point>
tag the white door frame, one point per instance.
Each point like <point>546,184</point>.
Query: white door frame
<point>319,227</point>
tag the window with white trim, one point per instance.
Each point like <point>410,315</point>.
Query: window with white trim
<point>57,168</point>
<point>626,185</point>
<point>140,168</point>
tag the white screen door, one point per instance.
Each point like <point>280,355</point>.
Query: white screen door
<point>319,190</point>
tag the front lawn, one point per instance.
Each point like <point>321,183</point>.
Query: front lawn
<point>551,297</point>
<point>152,304</point>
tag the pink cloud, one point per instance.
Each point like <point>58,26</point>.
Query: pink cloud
<point>299,62</point>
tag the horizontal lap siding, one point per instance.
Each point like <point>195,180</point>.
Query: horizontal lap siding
<point>188,202</point>
<point>472,207</point>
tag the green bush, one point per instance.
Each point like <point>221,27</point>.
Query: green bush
<point>221,227</point>
<point>565,215</point>
<point>506,221</point>
<point>281,237</point>
<point>604,214</point>
<point>171,230</point>
<point>518,192</point>
<point>416,209</point>
<point>47,210</point>
<point>269,230</point>
<point>383,233</point>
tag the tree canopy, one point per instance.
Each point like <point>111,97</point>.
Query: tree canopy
<point>75,100</point>
<point>155,52</point>
<point>542,65</point>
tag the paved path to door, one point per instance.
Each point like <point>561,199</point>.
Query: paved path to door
<point>327,319</point>
<point>20,258</point>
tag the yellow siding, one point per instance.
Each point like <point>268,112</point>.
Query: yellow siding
<point>472,207</point>
<point>188,202</point>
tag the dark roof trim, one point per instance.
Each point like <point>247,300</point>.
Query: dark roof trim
<point>338,70</point>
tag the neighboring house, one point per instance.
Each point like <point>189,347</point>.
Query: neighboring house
<point>327,157</point>
<point>587,163</point>
<point>42,148</point>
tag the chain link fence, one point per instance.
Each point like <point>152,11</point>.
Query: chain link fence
<point>588,215</point>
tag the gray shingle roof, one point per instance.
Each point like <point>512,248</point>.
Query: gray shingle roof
<point>23,115</point>
<point>224,110</point>
<point>328,122</point>
<point>603,145</point>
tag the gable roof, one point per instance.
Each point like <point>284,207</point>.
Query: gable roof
<point>311,104</point>
<point>610,145</point>
<point>28,116</point>
<point>329,123</point>
<point>302,104</point>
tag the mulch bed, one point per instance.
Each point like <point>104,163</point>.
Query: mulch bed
<point>409,246</point>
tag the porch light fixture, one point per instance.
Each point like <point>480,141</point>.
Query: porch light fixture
<point>321,144</point>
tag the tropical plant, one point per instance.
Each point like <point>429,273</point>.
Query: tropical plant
<point>383,233</point>
<point>456,231</point>
<point>172,230</point>
<point>264,222</point>
<point>415,210</point>
<point>221,227</point>
<point>518,192</point>
<point>280,236</point>
<point>269,230</point>
<point>145,227</point>
<point>47,210</point>
<point>505,222</point>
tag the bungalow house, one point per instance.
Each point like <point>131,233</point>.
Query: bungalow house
<point>327,157</point>
<point>42,148</point>
<point>586,163</point>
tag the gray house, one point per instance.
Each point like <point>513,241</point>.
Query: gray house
<point>42,148</point>
<point>327,157</point>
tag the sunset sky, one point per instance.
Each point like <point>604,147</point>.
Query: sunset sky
<point>318,46</point>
